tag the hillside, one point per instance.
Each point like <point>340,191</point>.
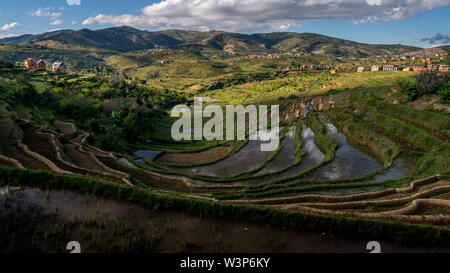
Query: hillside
<point>77,58</point>
<point>446,47</point>
<point>126,39</point>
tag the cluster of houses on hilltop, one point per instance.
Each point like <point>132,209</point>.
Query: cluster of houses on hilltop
<point>31,64</point>
<point>264,57</point>
<point>308,66</point>
<point>392,67</point>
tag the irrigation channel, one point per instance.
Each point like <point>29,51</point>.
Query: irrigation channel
<point>103,225</point>
<point>349,162</point>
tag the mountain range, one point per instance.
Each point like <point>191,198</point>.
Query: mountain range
<point>126,39</point>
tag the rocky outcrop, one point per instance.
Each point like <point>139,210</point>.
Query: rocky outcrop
<point>301,107</point>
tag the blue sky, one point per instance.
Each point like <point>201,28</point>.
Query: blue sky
<point>369,21</point>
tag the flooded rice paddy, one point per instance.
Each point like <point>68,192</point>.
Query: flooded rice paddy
<point>248,158</point>
<point>285,157</point>
<point>102,225</point>
<point>400,168</point>
<point>147,154</point>
<point>349,162</point>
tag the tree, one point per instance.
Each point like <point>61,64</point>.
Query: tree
<point>429,82</point>
<point>111,138</point>
<point>132,125</point>
<point>25,92</point>
<point>409,89</point>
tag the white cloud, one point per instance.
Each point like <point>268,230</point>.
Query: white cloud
<point>257,15</point>
<point>56,22</point>
<point>45,13</point>
<point>74,2</point>
<point>9,26</point>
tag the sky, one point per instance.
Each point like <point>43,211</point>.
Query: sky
<point>423,23</point>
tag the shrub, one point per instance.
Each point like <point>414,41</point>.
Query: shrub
<point>429,82</point>
<point>444,92</point>
<point>78,108</point>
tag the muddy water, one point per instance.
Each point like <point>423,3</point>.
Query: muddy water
<point>172,231</point>
<point>349,162</point>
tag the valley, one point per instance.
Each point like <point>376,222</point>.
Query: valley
<point>363,156</point>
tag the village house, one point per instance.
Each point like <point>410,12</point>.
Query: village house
<point>377,68</point>
<point>333,71</point>
<point>361,69</point>
<point>419,68</point>
<point>30,64</point>
<point>41,64</point>
<point>59,67</point>
<point>390,67</point>
<point>408,68</point>
<point>433,67</point>
<point>444,68</point>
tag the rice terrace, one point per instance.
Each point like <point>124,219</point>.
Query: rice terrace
<point>87,151</point>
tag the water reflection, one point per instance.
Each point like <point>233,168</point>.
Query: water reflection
<point>248,158</point>
<point>285,157</point>
<point>400,168</point>
<point>148,154</point>
<point>349,162</point>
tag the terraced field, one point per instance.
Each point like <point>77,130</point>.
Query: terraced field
<point>350,156</point>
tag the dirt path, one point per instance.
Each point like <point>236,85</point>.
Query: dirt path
<point>423,102</point>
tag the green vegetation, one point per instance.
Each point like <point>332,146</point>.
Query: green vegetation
<point>384,149</point>
<point>426,83</point>
<point>118,112</point>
